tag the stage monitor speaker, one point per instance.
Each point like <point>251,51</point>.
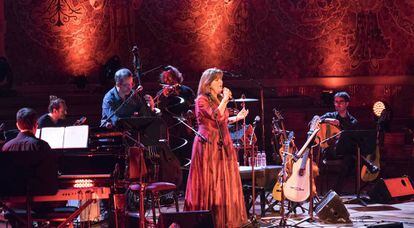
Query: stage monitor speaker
<point>331,209</point>
<point>387,225</point>
<point>187,219</point>
<point>392,190</point>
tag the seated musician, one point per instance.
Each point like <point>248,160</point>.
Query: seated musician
<point>26,121</point>
<point>116,96</point>
<point>26,140</point>
<point>57,113</point>
<point>171,79</point>
<point>345,145</point>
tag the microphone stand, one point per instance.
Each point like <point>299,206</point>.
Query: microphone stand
<point>262,111</point>
<point>151,70</point>
<point>126,101</point>
<point>180,119</point>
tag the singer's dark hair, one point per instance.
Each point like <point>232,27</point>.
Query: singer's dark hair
<point>55,103</point>
<point>26,118</point>
<point>343,95</point>
<point>173,72</point>
<point>121,74</point>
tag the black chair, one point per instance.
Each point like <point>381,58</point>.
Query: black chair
<point>28,174</point>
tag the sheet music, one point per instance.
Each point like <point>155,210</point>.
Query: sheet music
<point>37,135</point>
<point>53,136</point>
<point>76,137</point>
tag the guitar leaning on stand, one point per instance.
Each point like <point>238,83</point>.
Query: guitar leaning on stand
<point>286,149</point>
<point>298,186</point>
<point>366,175</point>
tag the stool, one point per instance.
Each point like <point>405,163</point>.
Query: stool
<point>154,189</point>
<point>247,189</point>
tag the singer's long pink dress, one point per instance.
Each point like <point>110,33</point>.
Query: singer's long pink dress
<point>214,181</point>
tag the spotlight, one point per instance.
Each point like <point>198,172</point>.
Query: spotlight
<point>383,115</point>
<point>378,107</point>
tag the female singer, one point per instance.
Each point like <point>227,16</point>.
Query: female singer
<point>214,180</point>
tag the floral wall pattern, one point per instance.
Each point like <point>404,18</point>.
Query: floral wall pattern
<point>261,39</point>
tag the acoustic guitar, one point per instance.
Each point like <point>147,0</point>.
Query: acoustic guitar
<point>297,186</point>
<point>289,148</point>
<point>366,175</point>
<point>277,189</point>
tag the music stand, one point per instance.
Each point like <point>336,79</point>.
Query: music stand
<point>143,125</point>
<point>365,141</point>
<point>151,129</point>
<point>27,173</point>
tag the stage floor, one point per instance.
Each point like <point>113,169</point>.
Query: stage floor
<point>360,216</point>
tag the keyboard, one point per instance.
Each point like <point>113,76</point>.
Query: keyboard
<point>67,194</point>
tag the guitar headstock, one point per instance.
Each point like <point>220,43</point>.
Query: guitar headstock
<point>291,136</point>
<point>277,114</point>
<point>314,123</point>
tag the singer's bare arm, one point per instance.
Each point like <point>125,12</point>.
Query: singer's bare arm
<point>241,115</point>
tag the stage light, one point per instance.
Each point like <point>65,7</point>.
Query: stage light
<point>378,107</point>
<point>83,183</point>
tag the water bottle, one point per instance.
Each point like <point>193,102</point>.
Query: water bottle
<point>263,159</point>
<point>258,160</point>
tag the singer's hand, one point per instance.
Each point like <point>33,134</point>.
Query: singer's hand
<point>227,95</point>
<point>242,114</point>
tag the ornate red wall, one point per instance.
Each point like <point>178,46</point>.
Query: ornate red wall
<point>285,42</point>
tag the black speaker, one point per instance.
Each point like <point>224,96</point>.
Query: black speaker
<point>187,219</point>
<point>331,209</point>
<point>387,225</point>
<point>392,190</point>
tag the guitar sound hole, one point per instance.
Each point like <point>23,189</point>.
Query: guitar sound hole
<point>403,183</point>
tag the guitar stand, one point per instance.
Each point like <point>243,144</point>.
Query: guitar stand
<point>292,207</point>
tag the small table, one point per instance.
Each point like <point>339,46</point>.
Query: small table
<point>265,181</point>
<point>265,176</point>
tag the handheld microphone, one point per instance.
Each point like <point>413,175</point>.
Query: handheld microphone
<point>256,120</point>
<point>80,121</point>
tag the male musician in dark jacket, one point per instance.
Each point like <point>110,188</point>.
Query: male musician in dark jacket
<point>26,140</point>
<point>341,117</point>
<point>347,143</point>
<point>171,79</point>
<point>43,158</point>
<point>116,96</point>
<point>57,113</point>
